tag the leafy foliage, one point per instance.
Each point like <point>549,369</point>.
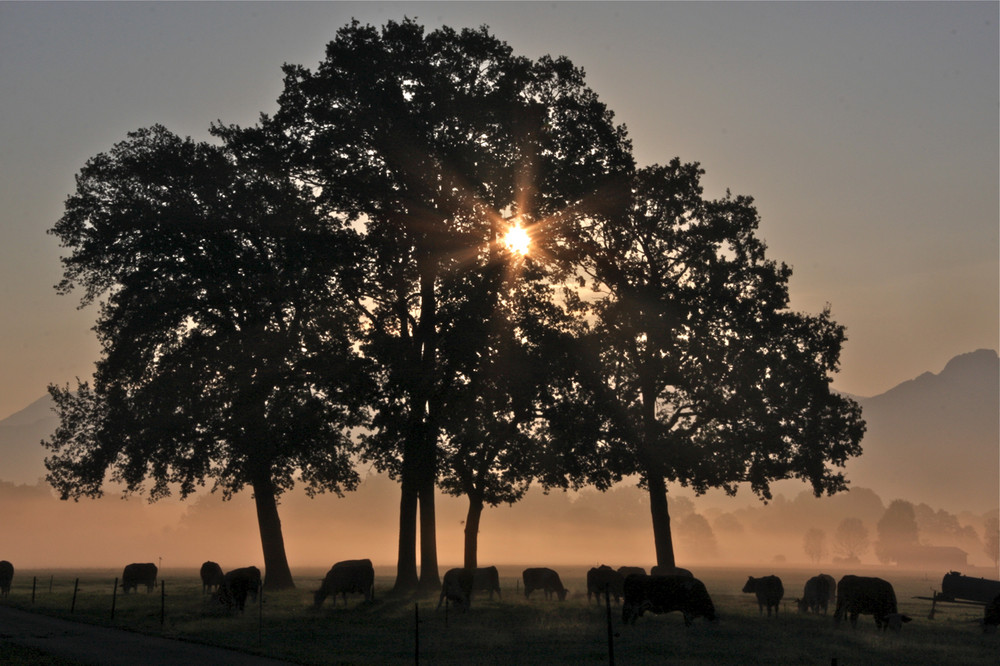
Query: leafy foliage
<point>710,380</point>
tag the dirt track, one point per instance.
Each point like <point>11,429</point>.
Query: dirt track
<point>90,644</point>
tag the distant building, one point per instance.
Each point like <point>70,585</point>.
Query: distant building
<point>942,557</point>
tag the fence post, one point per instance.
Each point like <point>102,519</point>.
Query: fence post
<point>50,583</point>
<point>163,600</point>
<point>76,586</point>
<point>416,634</point>
<point>611,634</point>
<point>34,579</point>
<point>260,612</point>
<point>114,598</point>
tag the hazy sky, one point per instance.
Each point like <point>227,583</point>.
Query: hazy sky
<point>867,133</point>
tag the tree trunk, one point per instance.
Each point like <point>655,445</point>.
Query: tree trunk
<point>406,560</point>
<point>662,538</point>
<point>277,575</point>
<point>430,581</point>
<point>472,532</point>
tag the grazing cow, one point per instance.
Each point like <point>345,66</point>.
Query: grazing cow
<point>136,574</point>
<point>663,594</point>
<point>625,572</point>
<point>211,576</point>
<point>991,616</point>
<point>6,576</point>
<point>769,591</point>
<point>833,587</point>
<point>486,579</point>
<point>604,579</point>
<point>670,571</point>
<point>871,596</point>
<point>541,578</point>
<point>456,587</point>
<point>354,576</point>
<point>237,585</point>
<point>816,594</point>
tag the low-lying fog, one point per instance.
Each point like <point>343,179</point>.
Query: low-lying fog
<point>556,529</point>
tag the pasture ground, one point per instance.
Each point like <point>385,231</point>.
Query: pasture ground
<point>513,630</point>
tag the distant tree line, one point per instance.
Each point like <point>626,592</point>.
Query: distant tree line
<point>331,286</point>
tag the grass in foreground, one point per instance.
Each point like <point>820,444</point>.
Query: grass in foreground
<point>515,630</point>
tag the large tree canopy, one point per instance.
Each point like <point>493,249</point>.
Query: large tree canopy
<point>708,379</point>
<point>343,259</point>
<point>430,142</point>
<point>226,347</point>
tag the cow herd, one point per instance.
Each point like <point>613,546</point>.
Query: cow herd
<point>663,591</point>
<point>677,589</point>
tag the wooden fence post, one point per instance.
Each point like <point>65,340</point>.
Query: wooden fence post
<point>260,612</point>
<point>163,601</point>
<point>416,634</point>
<point>114,598</point>
<point>34,580</point>
<point>76,586</point>
<point>611,634</point>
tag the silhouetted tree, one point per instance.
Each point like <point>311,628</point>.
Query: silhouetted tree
<point>940,528</point>
<point>850,539</point>
<point>897,531</point>
<point>814,544</point>
<point>697,535</point>
<point>427,141</point>
<point>991,539</point>
<point>226,347</point>
<point>708,379</point>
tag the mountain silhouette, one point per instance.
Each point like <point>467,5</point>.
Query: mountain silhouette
<point>933,439</point>
<point>936,438</point>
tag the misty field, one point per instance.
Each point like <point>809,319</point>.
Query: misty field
<point>518,631</point>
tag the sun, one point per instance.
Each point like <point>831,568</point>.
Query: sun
<point>518,240</point>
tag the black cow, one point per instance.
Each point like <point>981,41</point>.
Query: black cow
<point>237,585</point>
<point>991,615</point>
<point>456,587</point>
<point>211,576</point>
<point>670,571</point>
<point>604,579</point>
<point>871,596</point>
<point>349,576</point>
<point>663,594</point>
<point>625,572</point>
<point>542,578</point>
<point>816,594</point>
<point>486,579</point>
<point>6,576</point>
<point>137,574</point>
<point>769,591</point>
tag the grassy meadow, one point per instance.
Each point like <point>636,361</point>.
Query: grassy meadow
<point>518,631</point>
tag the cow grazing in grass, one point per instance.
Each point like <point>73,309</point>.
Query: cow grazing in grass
<point>871,596</point>
<point>349,576</point>
<point>486,579</point>
<point>137,574</point>
<point>542,578</point>
<point>237,585</point>
<point>211,576</point>
<point>6,576</point>
<point>663,594</point>
<point>456,587</point>
<point>991,615</point>
<point>816,594</point>
<point>768,590</point>
<point>604,579</point>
